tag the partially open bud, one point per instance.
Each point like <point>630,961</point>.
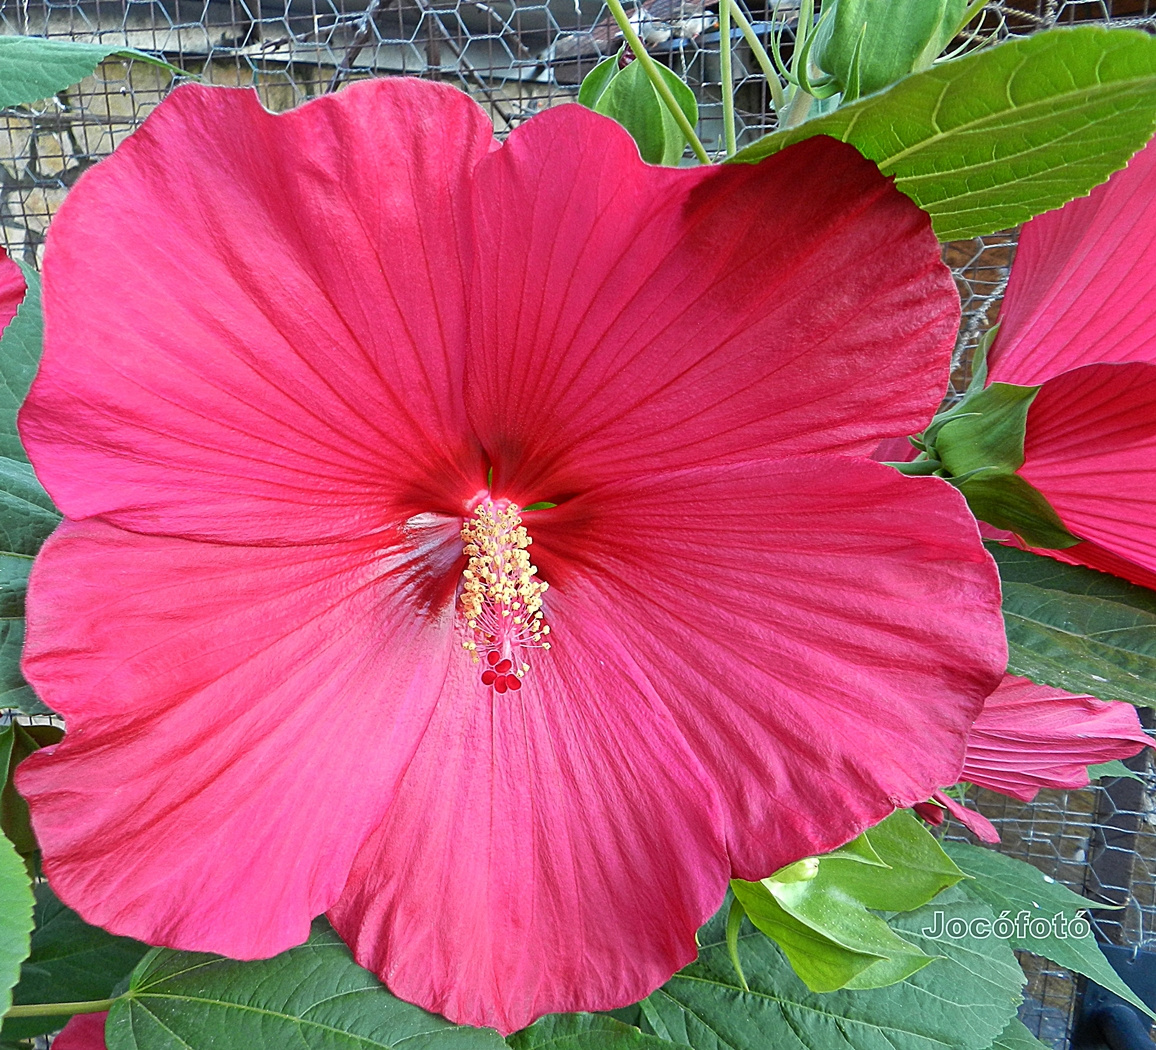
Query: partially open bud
<point>867,44</point>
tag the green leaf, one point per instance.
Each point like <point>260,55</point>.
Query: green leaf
<point>595,82</point>
<point>14,691</point>
<point>17,742</point>
<point>962,1001</point>
<point>987,141</point>
<point>15,919</point>
<point>917,871</point>
<point>630,99</point>
<point>20,349</point>
<point>310,997</point>
<point>70,962</point>
<point>585,1032</point>
<point>32,67</point>
<point>1115,768</point>
<point>829,939</point>
<point>1024,893</point>
<point>1078,629</point>
<point>1017,1037</point>
<point>27,515</point>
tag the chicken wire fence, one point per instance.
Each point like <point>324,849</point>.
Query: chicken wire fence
<point>518,57</point>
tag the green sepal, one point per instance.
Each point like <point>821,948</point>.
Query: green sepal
<point>1009,502</point>
<point>629,98</point>
<point>867,44</point>
<point>980,445</point>
<point>595,82</point>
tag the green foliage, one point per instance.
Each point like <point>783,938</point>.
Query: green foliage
<point>962,1001</point>
<point>627,96</point>
<point>586,1032</point>
<point>27,515</point>
<point>17,742</point>
<point>1016,888</point>
<point>817,911</point>
<point>32,67</point>
<point>70,962</point>
<point>985,142</point>
<point>311,997</point>
<point>867,44</point>
<point>1017,1037</point>
<point>15,919</point>
<point>1078,629</point>
<point>1114,768</point>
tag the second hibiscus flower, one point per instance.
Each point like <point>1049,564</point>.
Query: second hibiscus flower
<point>358,405</point>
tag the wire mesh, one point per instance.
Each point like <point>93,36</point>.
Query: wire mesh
<point>518,57</point>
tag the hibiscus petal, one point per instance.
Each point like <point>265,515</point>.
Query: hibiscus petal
<point>1090,449</point>
<point>271,346</point>
<point>1032,736</point>
<point>689,315</point>
<point>553,848</point>
<point>1083,287</point>
<point>83,1032</point>
<point>237,718</point>
<point>823,629</point>
<point>973,820</point>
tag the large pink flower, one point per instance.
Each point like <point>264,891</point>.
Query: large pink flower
<point>289,359</point>
<point>1079,317</point>
<point>1032,736</point>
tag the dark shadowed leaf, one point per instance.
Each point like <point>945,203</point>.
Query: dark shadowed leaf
<point>313,997</point>
<point>586,1032</point>
<point>71,962</point>
<point>1078,629</point>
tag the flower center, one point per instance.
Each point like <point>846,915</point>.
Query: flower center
<point>501,595</point>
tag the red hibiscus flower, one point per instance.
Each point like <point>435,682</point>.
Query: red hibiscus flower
<point>299,419</point>
<point>1032,736</point>
<point>83,1032</point>
<point>1079,317</point>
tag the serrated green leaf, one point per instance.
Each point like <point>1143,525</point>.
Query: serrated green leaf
<point>32,67</point>
<point>586,1032</point>
<point>70,962</point>
<point>989,140</point>
<point>630,99</point>
<point>1019,889</point>
<point>313,997</point>
<point>1078,629</point>
<point>962,1001</point>
<point>1017,1037</point>
<point>15,919</point>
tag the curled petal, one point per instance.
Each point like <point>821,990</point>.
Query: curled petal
<point>1032,736</point>
<point>12,288</point>
<point>237,720</point>
<point>271,347</point>
<point>661,329</point>
<point>1083,287</point>
<point>820,628</point>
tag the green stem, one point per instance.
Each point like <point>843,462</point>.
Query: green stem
<point>660,86</point>
<point>727,76</point>
<point>778,99</point>
<point>94,1006</point>
<point>798,109</point>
